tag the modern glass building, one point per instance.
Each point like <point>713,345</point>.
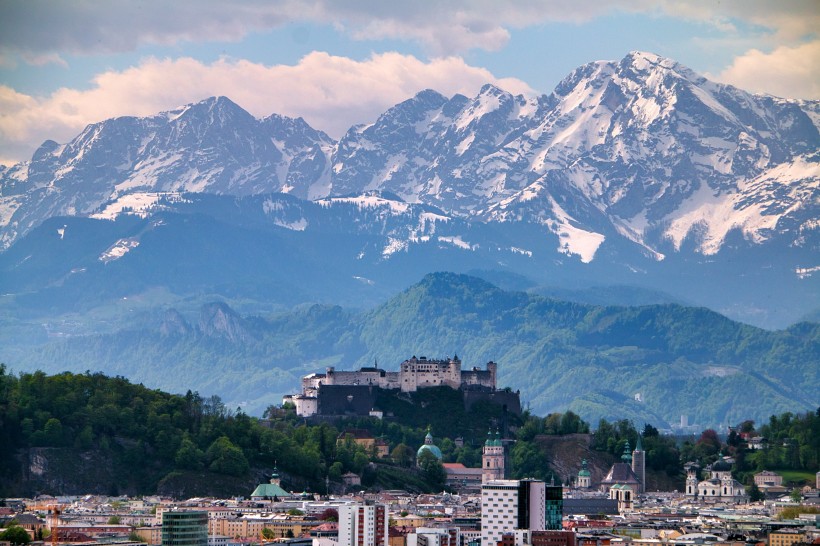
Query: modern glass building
<point>554,507</point>
<point>184,528</point>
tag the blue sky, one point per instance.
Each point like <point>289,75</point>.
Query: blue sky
<point>66,64</point>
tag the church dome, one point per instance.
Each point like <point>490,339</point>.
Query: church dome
<point>429,446</point>
<point>493,441</point>
<point>721,466</point>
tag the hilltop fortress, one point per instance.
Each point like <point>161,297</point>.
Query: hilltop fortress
<point>351,392</point>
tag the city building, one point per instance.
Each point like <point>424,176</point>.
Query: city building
<point>719,487</point>
<point>767,478</point>
<point>361,437</point>
<point>461,478</point>
<point>786,537</point>
<point>185,528</point>
<point>363,524</point>
<point>511,505</point>
<point>435,536</point>
<point>554,507</point>
<point>538,538</point>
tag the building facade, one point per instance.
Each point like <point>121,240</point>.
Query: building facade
<point>184,528</point>
<point>719,487</point>
<point>363,524</point>
<point>511,505</point>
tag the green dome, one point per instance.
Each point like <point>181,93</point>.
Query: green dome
<point>493,442</point>
<point>429,446</point>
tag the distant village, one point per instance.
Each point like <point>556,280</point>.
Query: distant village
<point>481,506</point>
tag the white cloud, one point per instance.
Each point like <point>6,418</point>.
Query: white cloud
<point>330,92</point>
<point>790,72</point>
<point>37,27</point>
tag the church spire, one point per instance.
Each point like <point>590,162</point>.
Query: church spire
<point>627,456</point>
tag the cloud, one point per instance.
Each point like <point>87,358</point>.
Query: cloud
<point>789,72</point>
<point>37,27</point>
<point>330,92</point>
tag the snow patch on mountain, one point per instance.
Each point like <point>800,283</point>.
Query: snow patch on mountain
<point>522,251</point>
<point>8,205</point>
<point>140,204</point>
<point>756,209</point>
<point>394,245</point>
<point>368,201</point>
<point>573,240</point>
<point>118,250</point>
<point>456,241</point>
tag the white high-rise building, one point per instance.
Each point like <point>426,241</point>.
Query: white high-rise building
<point>363,524</point>
<point>507,505</point>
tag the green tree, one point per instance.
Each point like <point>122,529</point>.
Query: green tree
<point>189,456</point>
<point>114,520</point>
<point>225,458</point>
<point>134,536</point>
<point>268,534</point>
<point>402,455</point>
<point>528,461</point>
<point>755,494</point>
<point>16,535</point>
<point>335,471</point>
<point>53,431</point>
<point>432,470</point>
<point>85,439</point>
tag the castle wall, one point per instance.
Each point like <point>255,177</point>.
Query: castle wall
<point>323,393</point>
<point>346,399</point>
<point>507,399</point>
<point>375,377</point>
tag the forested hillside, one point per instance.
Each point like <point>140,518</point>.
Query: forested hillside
<point>643,363</point>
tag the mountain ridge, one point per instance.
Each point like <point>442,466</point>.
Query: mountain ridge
<point>636,172</point>
<point>561,355</point>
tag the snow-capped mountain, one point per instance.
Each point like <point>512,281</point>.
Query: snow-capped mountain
<point>124,164</point>
<point>644,148</point>
<point>634,165</point>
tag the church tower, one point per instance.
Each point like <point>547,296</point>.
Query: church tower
<point>492,459</point>
<point>584,477</point>
<point>691,479</point>
<point>639,464</point>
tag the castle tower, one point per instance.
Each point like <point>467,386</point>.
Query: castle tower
<point>492,367</point>
<point>584,477</point>
<point>492,459</point>
<point>639,464</point>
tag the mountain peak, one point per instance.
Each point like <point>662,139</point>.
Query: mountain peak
<point>492,90</point>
